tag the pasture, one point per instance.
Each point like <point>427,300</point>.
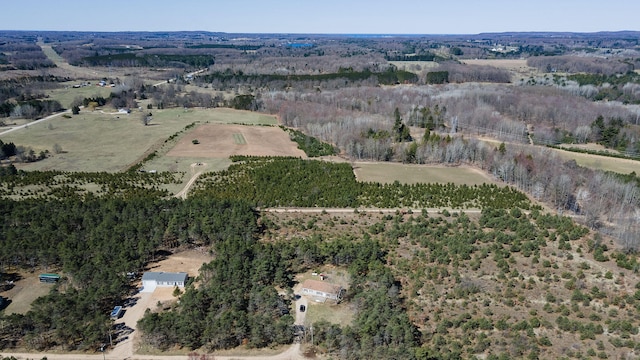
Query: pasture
<point>384,172</point>
<point>598,162</point>
<point>111,142</point>
<point>67,93</point>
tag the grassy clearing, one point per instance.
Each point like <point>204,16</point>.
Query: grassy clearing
<point>67,93</point>
<point>95,141</point>
<point>412,174</point>
<point>340,314</point>
<point>184,165</point>
<point>597,162</point>
<point>24,293</point>
<point>217,115</point>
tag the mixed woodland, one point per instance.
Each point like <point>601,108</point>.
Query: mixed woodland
<point>455,272</point>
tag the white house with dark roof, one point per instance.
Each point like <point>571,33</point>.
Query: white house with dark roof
<point>321,289</point>
<point>151,280</point>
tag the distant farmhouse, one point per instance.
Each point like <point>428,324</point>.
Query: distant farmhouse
<point>322,290</point>
<point>151,280</point>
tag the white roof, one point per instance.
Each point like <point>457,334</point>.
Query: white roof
<point>165,276</point>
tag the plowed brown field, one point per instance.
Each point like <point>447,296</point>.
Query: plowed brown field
<point>222,141</point>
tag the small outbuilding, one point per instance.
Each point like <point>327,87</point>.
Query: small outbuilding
<point>151,280</point>
<point>322,290</point>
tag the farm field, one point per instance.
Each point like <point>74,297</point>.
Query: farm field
<point>413,174</point>
<point>68,93</point>
<point>597,162</point>
<point>222,141</point>
<point>518,67</point>
<point>101,141</point>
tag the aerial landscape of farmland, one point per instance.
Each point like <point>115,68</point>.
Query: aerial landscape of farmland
<point>199,194</point>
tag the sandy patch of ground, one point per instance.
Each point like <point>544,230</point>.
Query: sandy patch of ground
<point>188,261</point>
<point>126,339</point>
<point>222,141</point>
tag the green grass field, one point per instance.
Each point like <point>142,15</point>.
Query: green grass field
<point>67,93</point>
<point>217,115</point>
<point>597,162</point>
<point>412,174</point>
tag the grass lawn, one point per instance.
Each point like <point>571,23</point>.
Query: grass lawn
<point>341,314</point>
<point>385,172</point>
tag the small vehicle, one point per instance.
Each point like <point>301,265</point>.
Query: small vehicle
<point>302,308</point>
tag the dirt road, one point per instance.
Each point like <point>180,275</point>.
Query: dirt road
<point>194,176</point>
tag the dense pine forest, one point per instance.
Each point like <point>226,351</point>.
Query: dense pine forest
<point>98,240</point>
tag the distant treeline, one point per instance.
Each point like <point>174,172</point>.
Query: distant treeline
<point>421,57</point>
<point>225,46</point>
<point>391,76</point>
<point>31,109</point>
<point>148,60</point>
<point>580,64</point>
<point>23,57</point>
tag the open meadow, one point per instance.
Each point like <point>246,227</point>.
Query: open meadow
<point>517,67</point>
<point>106,141</point>
<point>67,93</point>
<point>412,174</point>
<point>598,162</point>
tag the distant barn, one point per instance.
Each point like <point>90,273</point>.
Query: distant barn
<point>151,280</point>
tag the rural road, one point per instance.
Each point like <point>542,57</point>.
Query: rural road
<point>35,122</point>
<point>362,210</point>
<point>194,176</point>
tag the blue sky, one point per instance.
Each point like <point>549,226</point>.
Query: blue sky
<point>323,16</point>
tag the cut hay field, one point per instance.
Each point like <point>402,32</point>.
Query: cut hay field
<point>102,141</point>
<point>412,174</point>
<point>518,67</point>
<point>597,162</point>
<point>509,64</point>
<point>222,141</point>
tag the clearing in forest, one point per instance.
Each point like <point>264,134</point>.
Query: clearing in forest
<point>222,141</point>
<point>385,172</point>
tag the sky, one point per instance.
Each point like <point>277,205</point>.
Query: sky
<point>323,16</point>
